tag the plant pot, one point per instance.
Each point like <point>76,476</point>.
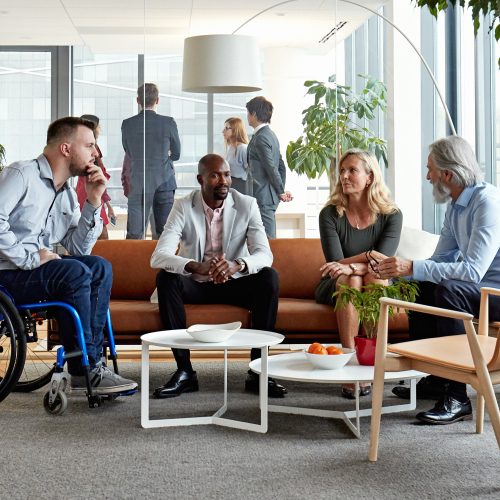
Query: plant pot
<point>365,350</point>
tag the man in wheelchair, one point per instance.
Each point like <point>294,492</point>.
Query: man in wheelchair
<point>38,210</point>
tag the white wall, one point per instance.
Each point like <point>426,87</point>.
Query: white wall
<point>403,72</point>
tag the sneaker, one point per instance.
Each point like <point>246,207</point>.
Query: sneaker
<point>104,381</point>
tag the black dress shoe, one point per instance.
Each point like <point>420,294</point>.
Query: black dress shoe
<point>427,388</point>
<point>274,390</point>
<point>447,411</point>
<point>181,381</point>
<point>348,392</point>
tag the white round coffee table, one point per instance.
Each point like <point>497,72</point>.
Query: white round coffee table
<point>179,339</point>
<point>294,366</point>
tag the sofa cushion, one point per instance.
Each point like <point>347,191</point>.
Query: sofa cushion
<point>133,277</point>
<point>297,261</point>
<point>299,315</point>
<point>136,317</point>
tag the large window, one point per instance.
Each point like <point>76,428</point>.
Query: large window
<point>106,86</point>
<point>25,102</point>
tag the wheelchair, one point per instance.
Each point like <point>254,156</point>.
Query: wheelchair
<point>29,361</point>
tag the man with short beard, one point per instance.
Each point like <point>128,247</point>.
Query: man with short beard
<point>466,258</point>
<point>223,258</point>
<point>38,210</point>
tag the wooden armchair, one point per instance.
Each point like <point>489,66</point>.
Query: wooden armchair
<point>471,358</point>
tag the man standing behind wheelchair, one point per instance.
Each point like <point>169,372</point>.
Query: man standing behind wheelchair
<point>38,210</point>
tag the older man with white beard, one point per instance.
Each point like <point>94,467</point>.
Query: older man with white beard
<point>466,258</point>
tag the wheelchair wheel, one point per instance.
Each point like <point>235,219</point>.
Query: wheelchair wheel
<point>40,360</point>
<point>12,346</point>
<point>58,407</point>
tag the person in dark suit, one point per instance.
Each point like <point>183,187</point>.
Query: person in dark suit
<point>265,163</point>
<point>152,143</point>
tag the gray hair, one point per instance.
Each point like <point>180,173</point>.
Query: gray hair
<point>455,154</point>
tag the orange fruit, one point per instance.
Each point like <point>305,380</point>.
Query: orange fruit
<point>317,348</point>
<point>334,350</point>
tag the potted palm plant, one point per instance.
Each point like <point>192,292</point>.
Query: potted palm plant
<point>366,302</point>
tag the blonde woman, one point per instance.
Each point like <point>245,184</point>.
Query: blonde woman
<point>236,140</point>
<point>359,217</point>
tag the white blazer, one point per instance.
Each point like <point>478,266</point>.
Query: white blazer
<point>243,234</point>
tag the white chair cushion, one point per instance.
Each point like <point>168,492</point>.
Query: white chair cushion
<point>416,244</point>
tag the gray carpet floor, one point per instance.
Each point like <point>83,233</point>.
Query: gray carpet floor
<point>105,453</point>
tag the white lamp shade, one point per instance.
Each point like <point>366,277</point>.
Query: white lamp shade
<point>221,64</point>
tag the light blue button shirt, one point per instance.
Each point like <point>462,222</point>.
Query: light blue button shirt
<point>469,244</point>
<point>33,215</point>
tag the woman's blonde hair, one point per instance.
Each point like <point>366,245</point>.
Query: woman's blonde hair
<point>379,196</point>
<point>239,135</point>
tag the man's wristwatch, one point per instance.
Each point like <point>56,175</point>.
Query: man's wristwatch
<point>242,264</point>
<point>354,268</point>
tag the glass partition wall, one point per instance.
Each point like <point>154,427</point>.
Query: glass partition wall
<point>38,86</point>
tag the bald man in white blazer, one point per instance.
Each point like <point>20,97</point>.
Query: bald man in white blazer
<point>214,249</point>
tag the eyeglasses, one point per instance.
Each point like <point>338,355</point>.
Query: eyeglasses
<point>227,128</point>
<point>370,258</point>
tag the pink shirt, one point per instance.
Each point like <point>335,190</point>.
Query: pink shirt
<point>213,235</point>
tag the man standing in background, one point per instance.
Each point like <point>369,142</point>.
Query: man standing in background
<point>265,163</point>
<point>152,143</point>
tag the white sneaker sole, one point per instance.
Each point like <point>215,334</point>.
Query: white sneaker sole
<point>106,390</point>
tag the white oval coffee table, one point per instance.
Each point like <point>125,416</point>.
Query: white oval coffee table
<point>178,339</point>
<point>294,366</point>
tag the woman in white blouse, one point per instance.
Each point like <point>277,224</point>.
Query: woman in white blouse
<point>236,140</point>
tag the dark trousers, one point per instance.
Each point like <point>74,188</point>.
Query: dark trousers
<point>83,282</point>
<point>140,204</point>
<point>256,292</point>
<point>455,295</point>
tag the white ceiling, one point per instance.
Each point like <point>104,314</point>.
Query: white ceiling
<point>160,26</point>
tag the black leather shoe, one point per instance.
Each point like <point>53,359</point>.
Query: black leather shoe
<point>427,388</point>
<point>274,390</point>
<point>181,381</point>
<point>348,392</point>
<point>447,411</point>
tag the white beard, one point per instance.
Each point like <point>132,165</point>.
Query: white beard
<point>441,193</point>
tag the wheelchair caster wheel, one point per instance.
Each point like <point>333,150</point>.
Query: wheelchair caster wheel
<point>59,405</point>
<point>95,401</point>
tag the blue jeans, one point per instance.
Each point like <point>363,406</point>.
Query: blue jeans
<point>83,282</point>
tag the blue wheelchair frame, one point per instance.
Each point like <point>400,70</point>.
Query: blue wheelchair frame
<point>55,398</point>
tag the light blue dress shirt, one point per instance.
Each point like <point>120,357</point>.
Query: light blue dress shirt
<point>469,244</point>
<point>33,215</point>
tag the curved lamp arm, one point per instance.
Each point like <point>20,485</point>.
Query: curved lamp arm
<point>424,62</point>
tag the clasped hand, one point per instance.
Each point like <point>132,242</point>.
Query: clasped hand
<point>335,269</point>
<point>218,269</point>
<point>393,267</point>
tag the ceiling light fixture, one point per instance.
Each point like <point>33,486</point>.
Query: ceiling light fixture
<point>332,32</point>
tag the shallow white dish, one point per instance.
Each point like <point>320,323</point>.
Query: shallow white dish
<point>329,361</point>
<point>213,333</point>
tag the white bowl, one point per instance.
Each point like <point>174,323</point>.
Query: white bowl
<point>213,333</point>
<point>329,361</point>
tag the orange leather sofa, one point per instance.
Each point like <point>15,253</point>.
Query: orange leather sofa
<point>300,319</point>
